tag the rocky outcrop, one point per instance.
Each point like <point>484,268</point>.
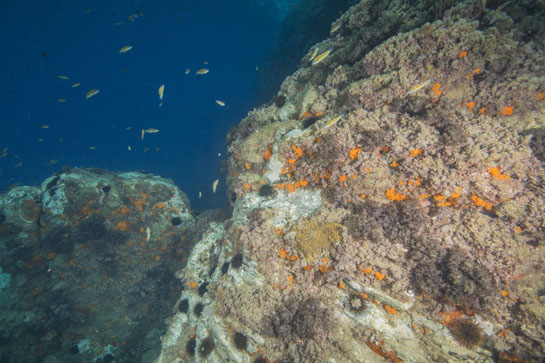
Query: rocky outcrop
<point>88,282</point>
<point>389,205</point>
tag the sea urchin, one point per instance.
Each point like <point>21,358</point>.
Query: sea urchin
<point>466,332</point>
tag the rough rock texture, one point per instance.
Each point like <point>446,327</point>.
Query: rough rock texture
<point>87,284</point>
<point>426,201</point>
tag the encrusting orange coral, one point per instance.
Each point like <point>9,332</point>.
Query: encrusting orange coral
<point>507,111</point>
<point>395,195</point>
<point>496,173</point>
<point>481,203</point>
<point>353,153</point>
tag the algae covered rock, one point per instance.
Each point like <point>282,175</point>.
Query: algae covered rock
<point>408,214</point>
<point>92,256</point>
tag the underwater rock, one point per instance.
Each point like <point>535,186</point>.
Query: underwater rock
<point>83,263</point>
<point>408,216</point>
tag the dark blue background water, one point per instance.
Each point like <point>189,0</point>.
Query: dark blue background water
<point>40,40</point>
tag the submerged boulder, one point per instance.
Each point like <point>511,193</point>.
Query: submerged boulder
<point>92,256</point>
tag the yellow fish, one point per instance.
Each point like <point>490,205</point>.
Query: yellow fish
<point>63,77</point>
<point>76,85</point>
<point>91,93</point>
<point>151,131</point>
<point>200,194</point>
<point>92,147</point>
<point>221,103</point>
<point>313,54</point>
<point>187,71</point>
<point>321,57</point>
<point>418,86</point>
<point>143,133</point>
<point>202,71</point>
<point>45,126</point>
<point>334,28</point>
<point>61,100</point>
<point>161,91</point>
<point>125,49</point>
<point>333,121</point>
<point>148,234</point>
<point>215,185</point>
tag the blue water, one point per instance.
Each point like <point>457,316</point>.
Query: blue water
<point>43,39</point>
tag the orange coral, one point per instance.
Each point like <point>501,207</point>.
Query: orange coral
<point>540,96</point>
<point>247,166</point>
<point>471,104</point>
<point>297,150</point>
<point>379,276</point>
<point>481,203</point>
<point>496,173</point>
<point>123,226</point>
<point>390,309</point>
<point>507,111</point>
<point>267,154</point>
<point>415,152</point>
<point>436,89</point>
<point>353,153</point>
<point>395,195</point>
<point>462,54</point>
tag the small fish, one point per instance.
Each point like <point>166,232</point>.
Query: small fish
<point>76,85</point>
<point>313,54</point>
<point>61,100</point>
<point>334,28</point>
<point>92,147</point>
<point>321,57</point>
<point>45,126</point>
<point>125,49</point>
<point>221,103</point>
<point>200,194</point>
<point>18,165</point>
<point>40,140</point>
<point>161,91</point>
<point>148,234</point>
<point>4,153</point>
<point>52,162</point>
<point>187,70</point>
<point>418,86</point>
<point>129,147</point>
<point>143,133</point>
<point>219,154</point>
<point>128,128</point>
<point>215,185</point>
<point>63,77</point>
<point>333,121</point>
<point>91,93</point>
<point>151,131</point>
<point>202,71</point>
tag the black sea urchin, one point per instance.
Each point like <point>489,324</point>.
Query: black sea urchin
<point>466,332</point>
<point>206,347</point>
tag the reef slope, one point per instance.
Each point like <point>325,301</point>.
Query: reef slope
<point>409,229</point>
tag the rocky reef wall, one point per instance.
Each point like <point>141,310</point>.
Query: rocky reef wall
<point>388,205</point>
